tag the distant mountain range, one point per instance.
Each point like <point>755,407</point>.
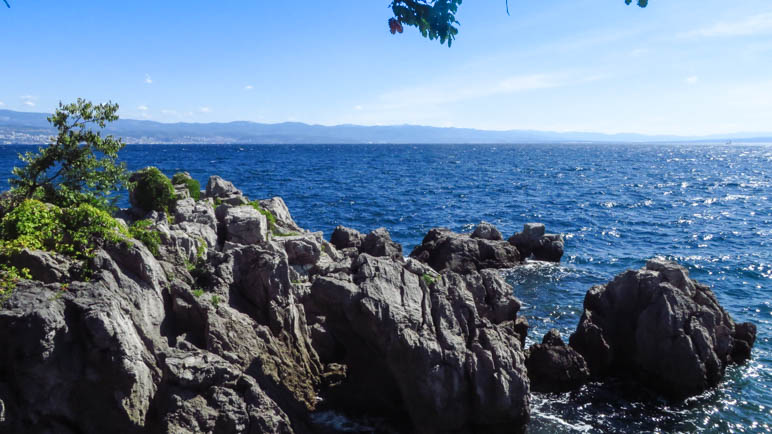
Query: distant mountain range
<point>33,128</point>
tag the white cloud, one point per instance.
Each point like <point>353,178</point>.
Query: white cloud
<point>692,80</point>
<point>358,107</point>
<point>148,79</point>
<point>452,91</point>
<point>29,100</point>
<point>142,108</point>
<point>248,87</point>
<point>169,112</point>
<point>2,103</point>
<point>205,110</point>
<point>752,25</point>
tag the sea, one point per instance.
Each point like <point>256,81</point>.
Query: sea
<point>708,207</point>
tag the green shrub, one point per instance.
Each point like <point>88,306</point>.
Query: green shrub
<point>73,231</point>
<point>216,301</point>
<point>194,188</point>
<point>198,292</point>
<point>152,190</point>
<point>428,279</point>
<point>150,238</point>
<point>9,277</point>
<point>31,225</point>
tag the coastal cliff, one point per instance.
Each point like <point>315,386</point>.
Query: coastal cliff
<point>239,320</point>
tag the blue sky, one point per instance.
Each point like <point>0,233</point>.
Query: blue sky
<point>685,67</point>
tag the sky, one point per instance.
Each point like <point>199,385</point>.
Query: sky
<point>688,67</point>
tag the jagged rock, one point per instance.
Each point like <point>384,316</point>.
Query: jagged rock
<point>302,249</point>
<point>343,238</point>
<point>430,350</point>
<point>47,267</point>
<point>487,231</point>
<point>443,249</point>
<point>284,221</point>
<point>245,225</point>
<point>553,366</point>
<point>661,327</point>
<point>521,327</point>
<point>220,188</point>
<point>533,241</point>
<point>379,243</point>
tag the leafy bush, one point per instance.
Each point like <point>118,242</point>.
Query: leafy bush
<point>73,231</point>
<point>428,279</point>
<point>194,187</point>
<point>9,277</point>
<point>150,238</point>
<point>79,165</point>
<point>152,190</point>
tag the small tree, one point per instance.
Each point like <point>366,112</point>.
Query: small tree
<point>79,165</point>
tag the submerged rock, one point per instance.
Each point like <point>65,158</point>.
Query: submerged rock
<point>662,328</point>
<point>443,250</point>
<point>534,241</point>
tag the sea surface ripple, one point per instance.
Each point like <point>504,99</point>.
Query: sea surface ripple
<point>707,207</point>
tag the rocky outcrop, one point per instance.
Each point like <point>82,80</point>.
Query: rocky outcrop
<point>443,250</point>
<point>487,231</point>
<point>224,191</point>
<point>662,328</point>
<point>379,243</point>
<point>440,350</point>
<point>241,323</point>
<point>554,366</point>
<point>244,224</point>
<point>344,238</point>
<point>532,241</point>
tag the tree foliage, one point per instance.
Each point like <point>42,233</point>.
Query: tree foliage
<point>79,165</point>
<point>436,19</point>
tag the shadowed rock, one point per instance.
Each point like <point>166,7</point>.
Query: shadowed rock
<point>532,241</point>
<point>487,231</point>
<point>662,328</point>
<point>555,367</point>
<point>443,250</point>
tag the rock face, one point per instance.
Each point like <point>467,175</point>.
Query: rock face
<point>233,329</point>
<point>343,238</point>
<point>533,241</point>
<point>553,366</point>
<point>661,327</point>
<point>487,231</point>
<point>442,353</point>
<point>443,250</point>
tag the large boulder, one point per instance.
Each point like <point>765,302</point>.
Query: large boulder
<point>245,225</point>
<point>343,238</point>
<point>554,366</point>
<point>443,250</point>
<point>487,231</point>
<point>439,350</point>
<point>533,241</point>
<point>379,243</point>
<point>662,328</point>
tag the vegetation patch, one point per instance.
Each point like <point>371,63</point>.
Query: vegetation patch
<point>152,190</point>
<point>141,231</point>
<point>9,277</point>
<point>194,187</point>
<point>74,231</point>
<point>428,279</point>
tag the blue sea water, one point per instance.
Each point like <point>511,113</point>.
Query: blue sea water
<point>707,207</point>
